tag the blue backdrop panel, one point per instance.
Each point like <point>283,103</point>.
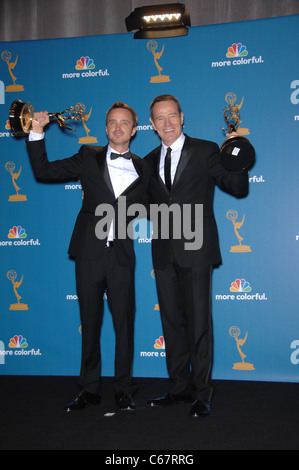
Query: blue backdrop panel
<point>255,291</point>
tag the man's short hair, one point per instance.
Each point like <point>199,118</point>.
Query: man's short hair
<point>120,104</point>
<point>161,98</point>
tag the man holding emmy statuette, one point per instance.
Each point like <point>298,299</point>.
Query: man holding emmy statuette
<point>105,261</point>
<point>184,171</point>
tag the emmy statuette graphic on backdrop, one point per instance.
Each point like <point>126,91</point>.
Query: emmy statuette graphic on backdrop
<point>21,116</point>
<point>236,152</point>
<point>10,168</point>
<point>235,332</point>
<point>152,47</point>
<point>12,276</point>
<point>232,215</point>
<point>6,56</point>
<point>88,139</point>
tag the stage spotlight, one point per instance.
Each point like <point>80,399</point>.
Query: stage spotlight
<point>159,21</point>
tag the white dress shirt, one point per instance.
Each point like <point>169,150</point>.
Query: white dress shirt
<point>176,148</point>
<point>122,174</point>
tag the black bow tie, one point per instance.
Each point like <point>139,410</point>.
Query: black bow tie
<point>126,155</point>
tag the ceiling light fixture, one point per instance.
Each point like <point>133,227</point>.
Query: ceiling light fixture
<point>159,21</point>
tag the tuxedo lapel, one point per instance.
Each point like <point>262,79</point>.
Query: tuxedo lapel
<point>102,163</point>
<point>184,160</point>
<point>157,159</point>
<point>137,162</point>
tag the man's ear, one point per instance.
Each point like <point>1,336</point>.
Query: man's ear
<point>152,122</point>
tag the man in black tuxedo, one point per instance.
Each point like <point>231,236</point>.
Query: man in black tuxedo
<point>104,261</point>
<point>185,170</point>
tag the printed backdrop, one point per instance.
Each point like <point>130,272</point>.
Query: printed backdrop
<point>255,291</point>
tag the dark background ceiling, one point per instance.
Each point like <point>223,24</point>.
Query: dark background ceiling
<point>42,19</point>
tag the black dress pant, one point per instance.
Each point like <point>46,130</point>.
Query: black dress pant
<point>185,304</point>
<point>94,278</point>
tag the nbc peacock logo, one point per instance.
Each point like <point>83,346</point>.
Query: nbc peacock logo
<point>159,346</point>
<point>17,237</point>
<point>18,341</point>
<point>240,289</point>
<point>17,232</point>
<point>85,63</point>
<point>240,285</point>
<point>237,55</point>
<point>237,50</point>
<point>160,343</point>
<point>85,67</point>
<point>19,347</point>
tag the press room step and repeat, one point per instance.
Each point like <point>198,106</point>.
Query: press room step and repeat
<point>253,65</point>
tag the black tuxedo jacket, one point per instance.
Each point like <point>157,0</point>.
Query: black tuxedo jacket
<point>89,165</point>
<point>198,172</point>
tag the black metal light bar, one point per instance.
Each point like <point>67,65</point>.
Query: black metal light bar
<point>159,21</point>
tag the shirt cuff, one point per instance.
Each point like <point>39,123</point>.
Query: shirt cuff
<point>35,136</point>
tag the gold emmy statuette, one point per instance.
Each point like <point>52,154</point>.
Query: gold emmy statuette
<point>10,167</point>
<point>6,56</point>
<point>232,215</point>
<point>152,47</point>
<point>236,152</point>
<point>21,116</point>
<point>12,276</point>
<point>235,332</point>
<point>88,139</point>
